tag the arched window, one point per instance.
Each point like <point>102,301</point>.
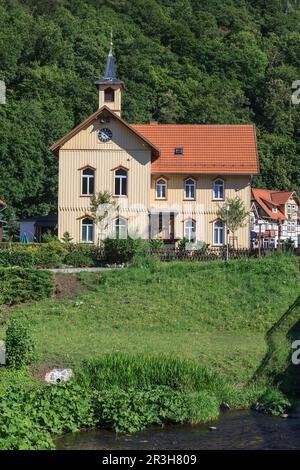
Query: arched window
<point>121,182</point>
<point>189,188</point>
<point>87,230</point>
<point>218,233</point>
<point>87,182</point>
<point>109,95</point>
<point>219,189</point>
<point>120,228</point>
<point>190,230</point>
<point>161,189</point>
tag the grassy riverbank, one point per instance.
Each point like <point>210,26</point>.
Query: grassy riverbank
<point>215,313</point>
<point>192,331</point>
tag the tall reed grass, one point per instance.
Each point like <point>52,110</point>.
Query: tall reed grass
<point>145,371</point>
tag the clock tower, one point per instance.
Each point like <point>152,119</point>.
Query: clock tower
<point>109,87</point>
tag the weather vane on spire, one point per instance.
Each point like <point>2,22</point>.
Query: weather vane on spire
<point>111,38</point>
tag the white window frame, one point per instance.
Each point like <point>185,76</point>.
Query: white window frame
<point>216,184</point>
<point>190,228</point>
<point>121,178</point>
<point>187,189</point>
<point>219,228</point>
<point>120,223</point>
<point>87,225</point>
<point>162,183</point>
<point>88,179</point>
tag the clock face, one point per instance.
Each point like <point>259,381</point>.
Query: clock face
<point>105,134</point>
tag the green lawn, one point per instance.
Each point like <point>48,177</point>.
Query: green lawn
<point>214,312</point>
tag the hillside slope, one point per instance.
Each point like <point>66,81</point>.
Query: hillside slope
<point>193,61</point>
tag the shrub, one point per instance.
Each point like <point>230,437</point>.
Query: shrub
<point>123,250</point>
<point>24,284</point>
<point>49,237</point>
<point>182,244</point>
<point>55,247</point>
<point>132,410</point>
<point>275,403</point>
<point>62,408</point>
<point>17,257</point>
<point>202,406</point>
<point>66,238</point>
<point>156,243</point>
<point>78,259</point>
<point>47,259</point>
<point>29,417</point>
<point>80,255</point>
<point>145,261</point>
<point>19,344</point>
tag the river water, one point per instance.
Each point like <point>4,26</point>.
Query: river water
<point>235,430</point>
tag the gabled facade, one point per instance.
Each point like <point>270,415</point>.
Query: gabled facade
<point>275,217</point>
<point>168,181</point>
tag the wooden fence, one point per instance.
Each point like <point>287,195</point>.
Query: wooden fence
<point>175,254</point>
<point>209,254</point>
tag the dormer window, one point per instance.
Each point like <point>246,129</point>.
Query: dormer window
<point>178,151</point>
<point>274,209</point>
<point>109,95</point>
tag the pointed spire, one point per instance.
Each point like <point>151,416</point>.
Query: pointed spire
<point>110,69</point>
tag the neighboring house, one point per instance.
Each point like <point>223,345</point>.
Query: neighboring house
<point>2,207</point>
<point>168,179</point>
<point>32,229</point>
<point>274,216</point>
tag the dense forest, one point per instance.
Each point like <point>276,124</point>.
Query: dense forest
<point>185,61</point>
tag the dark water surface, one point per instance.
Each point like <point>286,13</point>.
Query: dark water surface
<point>235,430</point>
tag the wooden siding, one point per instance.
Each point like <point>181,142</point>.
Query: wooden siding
<point>204,209</point>
<point>84,149</point>
<point>128,150</point>
<point>113,105</point>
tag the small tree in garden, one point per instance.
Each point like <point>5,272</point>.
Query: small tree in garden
<point>19,344</point>
<point>237,214</point>
<point>101,204</point>
<point>66,238</point>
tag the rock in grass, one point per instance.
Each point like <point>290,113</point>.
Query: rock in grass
<point>58,376</point>
<point>224,406</point>
<point>259,407</point>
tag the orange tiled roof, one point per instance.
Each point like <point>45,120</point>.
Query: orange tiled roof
<point>209,149</point>
<point>281,197</point>
<point>265,199</point>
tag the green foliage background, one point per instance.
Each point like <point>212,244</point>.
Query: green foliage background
<point>185,61</point>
